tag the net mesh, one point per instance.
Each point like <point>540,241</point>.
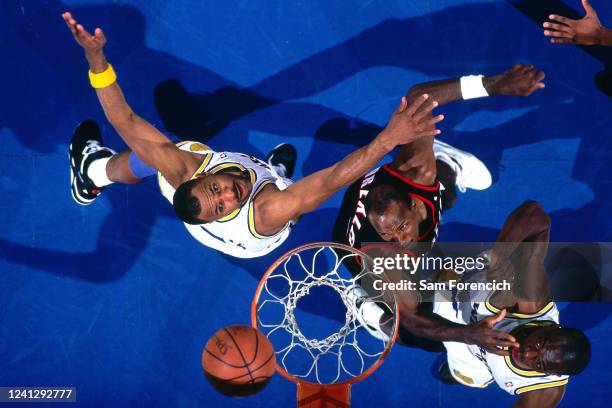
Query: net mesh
<point>350,350</point>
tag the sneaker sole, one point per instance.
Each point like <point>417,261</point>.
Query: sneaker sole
<point>74,191</point>
<point>470,165</point>
<point>271,155</point>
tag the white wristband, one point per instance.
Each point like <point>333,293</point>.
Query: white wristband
<point>472,87</point>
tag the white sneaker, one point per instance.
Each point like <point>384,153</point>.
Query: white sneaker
<point>471,172</point>
<point>367,311</point>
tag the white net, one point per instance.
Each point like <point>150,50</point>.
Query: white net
<point>363,323</point>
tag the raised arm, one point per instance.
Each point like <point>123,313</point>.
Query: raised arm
<point>519,255</point>
<point>406,124</point>
<point>416,160</point>
<point>585,31</point>
<point>520,80</point>
<point>435,327</point>
<point>149,144</point>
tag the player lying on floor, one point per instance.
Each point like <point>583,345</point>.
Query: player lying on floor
<point>402,201</point>
<point>538,370</point>
<point>231,202</point>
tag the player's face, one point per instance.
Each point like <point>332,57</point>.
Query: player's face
<point>399,223</point>
<point>221,194</point>
<point>539,352</point>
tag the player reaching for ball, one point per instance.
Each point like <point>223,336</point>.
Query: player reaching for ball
<point>228,201</point>
<point>537,371</point>
<point>402,202</point>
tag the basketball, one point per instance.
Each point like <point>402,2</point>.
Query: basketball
<point>238,360</point>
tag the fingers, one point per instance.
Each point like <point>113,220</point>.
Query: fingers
<point>70,22</point>
<point>538,77</point>
<point>99,35</point>
<point>402,106</point>
<point>432,122</point>
<point>77,29</point>
<point>560,19</point>
<point>429,133</point>
<point>424,112</point>
<point>416,104</point>
<point>558,27</point>
<point>504,339</point>
<point>81,32</point>
<point>537,86</point>
<point>494,320</point>
<point>588,8</point>
<point>561,41</point>
<point>534,77</point>
<point>558,34</point>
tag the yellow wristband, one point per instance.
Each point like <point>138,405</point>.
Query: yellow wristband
<point>104,78</point>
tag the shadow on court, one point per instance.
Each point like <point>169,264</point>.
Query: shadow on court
<point>224,112</point>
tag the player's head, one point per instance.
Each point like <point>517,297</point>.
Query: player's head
<point>210,197</point>
<point>393,215</point>
<point>554,350</point>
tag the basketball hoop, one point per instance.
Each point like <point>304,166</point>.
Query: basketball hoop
<point>325,365</point>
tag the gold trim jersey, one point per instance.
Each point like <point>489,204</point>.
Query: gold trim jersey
<point>234,234</point>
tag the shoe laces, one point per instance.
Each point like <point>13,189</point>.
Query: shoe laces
<point>92,146</point>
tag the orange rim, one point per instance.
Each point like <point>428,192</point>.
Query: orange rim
<point>273,267</point>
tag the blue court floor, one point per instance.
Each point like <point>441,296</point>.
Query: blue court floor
<point>117,299</point>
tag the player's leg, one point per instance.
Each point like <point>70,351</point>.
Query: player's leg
<point>448,179</point>
<point>282,159</point>
<point>124,167</point>
<point>94,166</point>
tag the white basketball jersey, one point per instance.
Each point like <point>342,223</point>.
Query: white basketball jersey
<point>234,234</point>
<point>507,375</point>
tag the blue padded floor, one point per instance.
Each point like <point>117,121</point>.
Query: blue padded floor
<point>118,300</point>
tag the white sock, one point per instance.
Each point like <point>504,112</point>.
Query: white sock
<point>97,172</point>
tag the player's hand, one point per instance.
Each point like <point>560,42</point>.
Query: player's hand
<point>411,122</point>
<point>493,341</point>
<point>520,80</point>
<point>92,44</point>
<point>586,31</point>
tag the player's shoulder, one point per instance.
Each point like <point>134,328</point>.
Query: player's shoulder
<point>544,397</point>
<point>518,381</point>
<point>194,147</point>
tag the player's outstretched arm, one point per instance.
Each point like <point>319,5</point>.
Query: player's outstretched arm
<point>518,256</point>
<point>520,80</point>
<point>416,160</point>
<point>408,123</point>
<point>435,327</point>
<point>585,31</point>
<point>545,398</point>
<point>148,143</point>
